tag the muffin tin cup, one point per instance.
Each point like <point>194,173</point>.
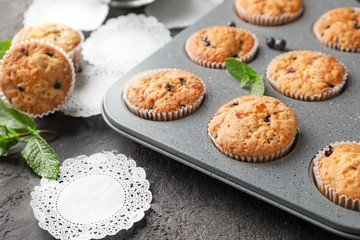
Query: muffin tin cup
<point>327,190</point>
<point>331,93</point>
<point>266,20</point>
<point>72,82</point>
<point>221,65</point>
<point>332,44</point>
<point>162,116</point>
<point>258,158</point>
<point>75,53</point>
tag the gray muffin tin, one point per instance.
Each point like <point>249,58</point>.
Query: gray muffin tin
<point>286,183</point>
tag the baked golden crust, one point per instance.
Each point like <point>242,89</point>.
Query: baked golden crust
<point>306,72</point>
<point>165,91</point>
<point>35,77</point>
<point>340,26</point>
<point>270,7</point>
<point>253,126</point>
<point>218,43</point>
<point>56,33</point>
<point>341,170</point>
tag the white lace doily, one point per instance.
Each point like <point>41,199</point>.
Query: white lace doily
<point>125,41</point>
<point>85,15</point>
<point>93,197</point>
<point>176,13</point>
<point>90,86</point>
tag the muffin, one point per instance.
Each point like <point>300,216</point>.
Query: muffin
<point>340,29</point>
<point>212,46</point>
<point>268,12</point>
<point>337,173</point>
<point>254,128</point>
<point>306,75</point>
<point>61,35</point>
<point>164,94</point>
<point>36,76</point>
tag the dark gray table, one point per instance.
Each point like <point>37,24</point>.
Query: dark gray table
<point>186,203</point>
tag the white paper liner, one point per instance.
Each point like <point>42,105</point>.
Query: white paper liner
<point>331,93</point>
<point>93,197</point>
<point>327,190</point>
<point>221,65</point>
<point>258,158</point>
<point>179,14</point>
<point>331,44</point>
<point>124,42</point>
<point>90,86</point>
<point>79,14</point>
<point>74,54</point>
<point>263,20</point>
<point>162,116</point>
<point>72,82</point>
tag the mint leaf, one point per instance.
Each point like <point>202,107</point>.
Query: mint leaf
<point>40,156</point>
<point>258,86</point>
<point>246,74</point>
<point>4,46</point>
<point>14,119</point>
<point>7,140</point>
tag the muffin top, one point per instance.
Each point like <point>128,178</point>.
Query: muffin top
<point>164,91</point>
<point>340,168</point>
<point>218,43</point>
<point>35,77</point>
<point>340,26</point>
<point>306,72</point>
<point>253,126</point>
<point>270,7</point>
<point>56,33</point>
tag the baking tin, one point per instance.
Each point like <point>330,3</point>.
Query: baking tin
<point>287,182</point>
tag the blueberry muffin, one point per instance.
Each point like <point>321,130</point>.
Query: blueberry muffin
<point>254,128</point>
<point>36,77</point>
<point>337,173</point>
<point>212,46</point>
<point>268,12</point>
<point>164,94</point>
<point>307,75</point>
<point>340,29</point>
<point>61,35</point>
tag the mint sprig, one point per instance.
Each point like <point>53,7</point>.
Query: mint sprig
<point>4,46</point>
<point>7,140</point>
<point>16,126</point>
<point>246,75</point>
<point>14,119</point>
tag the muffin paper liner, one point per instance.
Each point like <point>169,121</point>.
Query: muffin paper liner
<point>161,116</point>
<point>266,20</point>
<point>72,82</point>
<point>258,158</point>
<point>83,15</point>
<point>220,65</point>
<point>74,54</point>
<point>327,190</point>
<point>331,93</point>
<point>332,44</point>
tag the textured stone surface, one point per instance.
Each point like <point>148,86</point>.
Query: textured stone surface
<point>186,203</point>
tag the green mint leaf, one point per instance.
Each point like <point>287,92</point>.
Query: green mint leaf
<point>14,119</point>
<point>246,74</point>
<point>7,140</point>
<point>240,70</point>
<point>4,46</point>
<point>258,87</point>
<point>40,156</point>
